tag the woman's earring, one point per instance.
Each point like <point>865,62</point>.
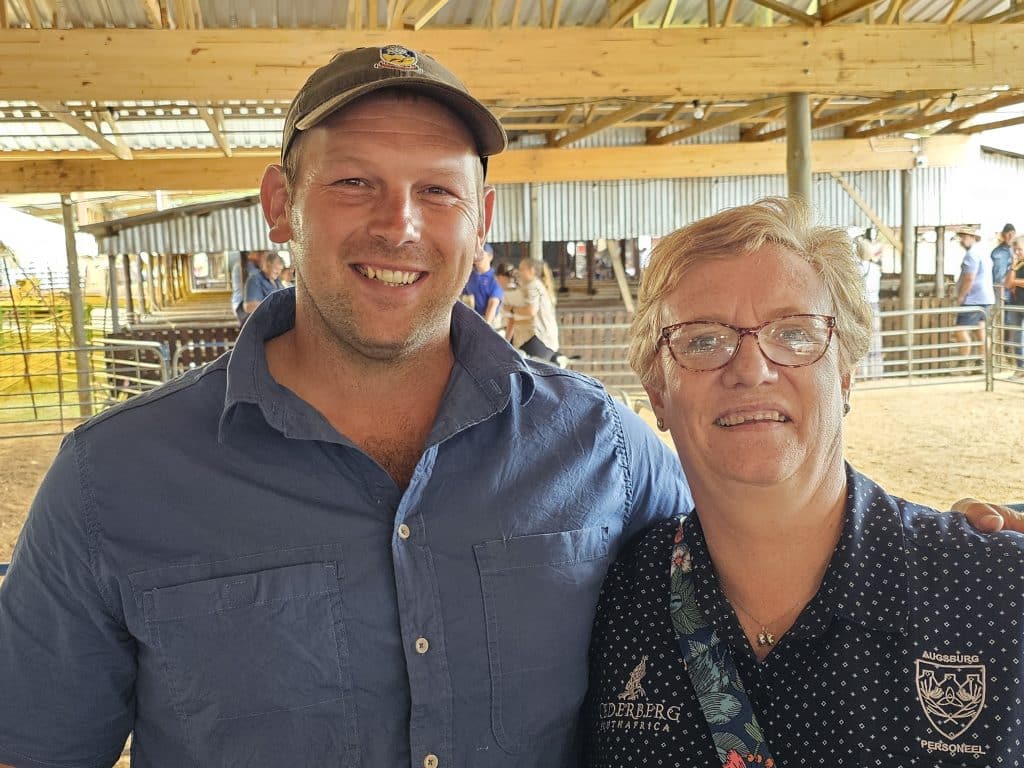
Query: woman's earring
<point>846,407</point>
<point>661,424</point>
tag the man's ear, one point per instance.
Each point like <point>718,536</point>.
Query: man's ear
<point>488,213</point>
<point>276,204</point>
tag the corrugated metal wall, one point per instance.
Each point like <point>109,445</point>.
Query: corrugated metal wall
<point>984,192</point>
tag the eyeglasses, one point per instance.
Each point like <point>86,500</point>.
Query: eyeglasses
<point>791,341</point>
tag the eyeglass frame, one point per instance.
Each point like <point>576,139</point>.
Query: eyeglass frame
<point>663,338</point>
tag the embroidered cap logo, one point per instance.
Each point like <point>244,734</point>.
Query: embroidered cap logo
<point>952,695</point>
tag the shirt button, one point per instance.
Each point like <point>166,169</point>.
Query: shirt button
<point>421,647</point>
<point>403,531</point>
<point>430,761</point>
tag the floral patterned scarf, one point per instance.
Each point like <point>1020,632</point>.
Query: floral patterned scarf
<point>738,738</point>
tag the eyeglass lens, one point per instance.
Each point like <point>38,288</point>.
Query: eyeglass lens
<point>793,341</point>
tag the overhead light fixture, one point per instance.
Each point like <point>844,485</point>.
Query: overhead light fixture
<point>698,110</point>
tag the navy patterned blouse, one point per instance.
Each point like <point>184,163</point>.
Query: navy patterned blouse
<point>910,654</point>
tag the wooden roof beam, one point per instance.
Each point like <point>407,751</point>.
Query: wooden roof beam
<point>954,9</point>
<point>619,14</point>
<point>219,65</point>
<point>562,119</point>
<point>720,120</point>
<point>840,9</point>
<point>417,17</point>
<point>670,12</point>
<point>992,126</point>
<point>989,105</point>
<point>893,14</point>
<point>785,10</point>
<point>214,119</point>
<point>62,114</point>
<point>207,172</point>
<point>853,113</point>
<point>602,123</point>
<point>153,16</point>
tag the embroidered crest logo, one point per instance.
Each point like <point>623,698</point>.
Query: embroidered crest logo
<point>634,690</point>
<point>952,695</point>
<point>398,57</point>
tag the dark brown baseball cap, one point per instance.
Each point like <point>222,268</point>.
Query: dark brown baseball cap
<point>352,74</point>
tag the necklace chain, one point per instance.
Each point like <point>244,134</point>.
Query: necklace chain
<point>765,637</point>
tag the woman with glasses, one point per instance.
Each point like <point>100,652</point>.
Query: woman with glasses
<point>800,615</point>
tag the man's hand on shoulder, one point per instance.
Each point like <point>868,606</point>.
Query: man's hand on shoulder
<point>989,518</point>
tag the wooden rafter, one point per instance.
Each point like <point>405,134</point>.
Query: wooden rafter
<point>33,15</point>
<point>670,12</point>
<point>992,126</point>
<point>556,15</point>
<point>667,120</point>
<point>821,106</point>
<point>870,212</point>
<point>62,114</point>
<point>840,9</point>
<point>876,107</point>
<point>893,14</point>
<point>720,120</point>
<point>418,17</point>
<point>1003,17</point>
<point>214,119</point>
<point>396,8</point>
<point>152,10</point>
<point>516,8</point>
<point>785,10</point>
<point>954,9</point>
<point>712,14</point>
<point>921,121</point>
<point>562,119</point>
<point>730,11</point>
<point>620,13</point>
<point>3,14</point>
<point>592,127</point>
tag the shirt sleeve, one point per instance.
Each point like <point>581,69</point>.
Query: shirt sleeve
<point>659,485</point>
<point>67,664</point>
<point>254,288</point>
<point>971,264</point>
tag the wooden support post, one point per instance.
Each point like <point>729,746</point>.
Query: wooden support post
<point>115,309</point>
<point>940,262</point>
<point>798,146</point>
<point>908,267</point>
<point>83,366</point>
<point>590,268</point>
<point>129,299</point>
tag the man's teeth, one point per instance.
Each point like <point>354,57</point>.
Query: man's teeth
<point>390,276</point>
<point>732,421</point>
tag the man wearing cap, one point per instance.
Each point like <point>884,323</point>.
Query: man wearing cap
<point>974,291</point>
<point>419,590</point>
<point>484,289</point>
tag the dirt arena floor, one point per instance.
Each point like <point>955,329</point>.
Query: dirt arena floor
<point>932,444</point>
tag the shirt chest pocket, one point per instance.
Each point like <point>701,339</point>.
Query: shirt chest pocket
<point>539,596</point>
<point>248,657</point>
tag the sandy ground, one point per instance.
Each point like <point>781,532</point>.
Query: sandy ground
<point>932,444</point>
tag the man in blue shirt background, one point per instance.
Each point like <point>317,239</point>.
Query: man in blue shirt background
<point>484,288</point>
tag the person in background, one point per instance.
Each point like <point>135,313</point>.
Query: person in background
<point>251,259</point>
<point>869,256</point>
<point>484,288</point>
<point>1002,257</point>
<point>974,291</point>
<point>287,278</point>
<point>512,297</point>
<point>1014,284</point>
<point>535,326</point>
<point>264,282</point>
<point>801,615</point>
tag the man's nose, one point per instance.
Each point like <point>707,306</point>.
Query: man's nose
<point>395,218</point>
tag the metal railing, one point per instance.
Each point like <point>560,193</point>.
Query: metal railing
<point>43,388</point>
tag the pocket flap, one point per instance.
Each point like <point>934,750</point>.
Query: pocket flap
<point>543,549</point>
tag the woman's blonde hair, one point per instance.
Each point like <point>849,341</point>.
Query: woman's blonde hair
<point>742,231</point>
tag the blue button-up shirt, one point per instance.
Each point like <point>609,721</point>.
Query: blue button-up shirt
<point>910,654</point>
<point>212,566</point>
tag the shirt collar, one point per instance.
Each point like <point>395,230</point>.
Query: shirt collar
<point>481,383</point>
<point>866,580</point>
